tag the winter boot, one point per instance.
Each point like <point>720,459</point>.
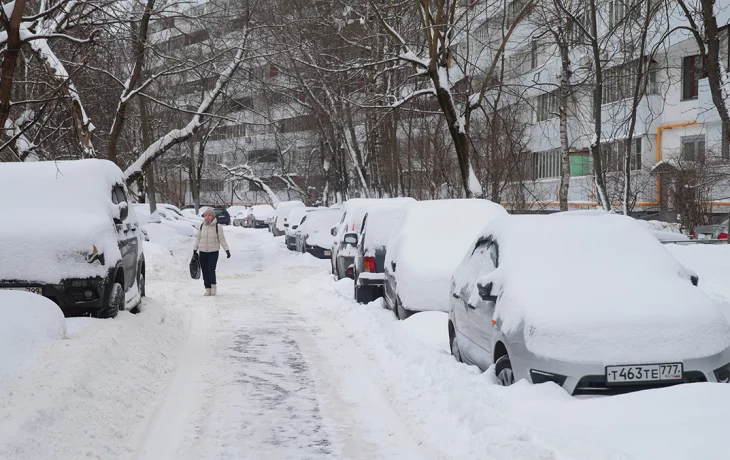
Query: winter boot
<point>207,293</point>
<point>213,290</point>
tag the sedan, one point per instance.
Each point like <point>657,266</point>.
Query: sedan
<point>592,303</point>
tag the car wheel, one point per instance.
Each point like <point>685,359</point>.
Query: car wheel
<point>363,294</point>
<point>503,370</point>
<point>455,352</point>
<point>114,303</point>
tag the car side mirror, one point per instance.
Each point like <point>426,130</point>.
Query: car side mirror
<point>350,238</point>
<point>485,292</point>
<point>123,210</point>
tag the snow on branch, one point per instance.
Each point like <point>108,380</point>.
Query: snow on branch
<point>176,136</point>
<point>245,172</point>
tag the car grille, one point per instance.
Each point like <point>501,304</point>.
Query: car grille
<point>596,384</point>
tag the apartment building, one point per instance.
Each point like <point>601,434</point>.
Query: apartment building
<point>677,127</point>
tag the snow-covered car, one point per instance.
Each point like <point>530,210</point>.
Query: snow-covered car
<point>237,212</point>
<point>291,226</point>
<point>428,244</point>
<point>314,235</point>
<point>372,242</point>
<point>343,252</point>
<point>164,217</point>
<point>178,213</point>
<point>259,215</point>
<point>595,304</point>
<point>282,212</point>
<point>90,260</point>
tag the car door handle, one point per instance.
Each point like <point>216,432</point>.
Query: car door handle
<point>392,265</point>
<point>455,295</point>
<point>471,306</point>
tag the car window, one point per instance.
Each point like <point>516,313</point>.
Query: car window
<point>483,260</point>
<point>114,196</point>
<point>121,196</point>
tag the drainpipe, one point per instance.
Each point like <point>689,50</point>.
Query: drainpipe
<point>659,152</point>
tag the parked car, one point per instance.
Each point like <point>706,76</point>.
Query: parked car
<point>81,246</point>
<point>238,215</point>
<point>258,215</point>
<point>175,211</point>
<point>343,252</point>
<point>221,215</point>
<point>426,247</point>
<point>282,212</point>
<point>372,242</point>
<point>712,232</point>
<point>291,226</point>
<point>594,304</point>
<point>314,235</point>
<point>165,218</point>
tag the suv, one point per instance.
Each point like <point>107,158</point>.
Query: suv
<point>81,246</point>
<point>221,216</point>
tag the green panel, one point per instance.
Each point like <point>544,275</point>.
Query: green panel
<point>580,165</point>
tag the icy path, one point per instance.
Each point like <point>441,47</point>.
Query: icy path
<point>258,379</point>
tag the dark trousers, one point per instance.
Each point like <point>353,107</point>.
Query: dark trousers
<point>208,262</point>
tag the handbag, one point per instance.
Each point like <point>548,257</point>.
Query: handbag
<point>195,267</point>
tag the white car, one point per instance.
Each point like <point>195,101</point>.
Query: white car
<point>182,226</point>
<point>293,220</point>
<point>427,246</point>
<point>282,212</point>
<point>595,304</point>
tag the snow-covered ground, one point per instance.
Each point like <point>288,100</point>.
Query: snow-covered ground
<point>283,364</point>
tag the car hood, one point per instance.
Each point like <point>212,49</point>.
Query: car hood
<point>36,249</point>
<point>652,329</point>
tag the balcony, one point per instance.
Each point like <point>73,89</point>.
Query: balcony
<point>614,117</point>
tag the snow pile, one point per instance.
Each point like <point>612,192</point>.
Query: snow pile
<point>627,299</point>
<point>711,262</point>
<point>430,243</point>
<point>54,213</point>
<point>26,322</point>
<point>318,226</point>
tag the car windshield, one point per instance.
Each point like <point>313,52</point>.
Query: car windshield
<point>220,212</point>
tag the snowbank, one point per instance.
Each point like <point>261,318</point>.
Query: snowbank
<point>599,289</point>
<point>430,243</point>
<point>26,322</point>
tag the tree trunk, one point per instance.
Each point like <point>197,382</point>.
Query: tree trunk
<point>598,172</point>
<point>457,131</point>
<point>715,72</point>
<point>563,114</point>
<point>10,60</point>
<point>149,171</point>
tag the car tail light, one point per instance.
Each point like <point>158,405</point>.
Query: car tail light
<point>722,236</point>
<point>369,264</point>
<point>694,235</point>
<point>350,271</point>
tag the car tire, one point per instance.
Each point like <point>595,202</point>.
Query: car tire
<point>363,294</point>
<point>454,346</point>
<point>114,303</point>
<point>503,371</point>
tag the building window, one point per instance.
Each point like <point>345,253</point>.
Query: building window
<point>533,53</point>
<point>653,82</point>
<point>548,164</point>
<point>263,156</point>
<point>693,70</point>
<point>693,148</point>
<point>580,164</point>
<point>613,155</point>
<point>547,106</point>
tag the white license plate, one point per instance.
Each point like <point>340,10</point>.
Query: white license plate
<point>328,253</point>
<point>644,373</point>
<point>34,290</point>
<point>704,236</point>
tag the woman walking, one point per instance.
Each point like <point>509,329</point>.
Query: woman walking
<point>209,241</point>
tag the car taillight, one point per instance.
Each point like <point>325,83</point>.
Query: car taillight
<point>694,235</point>
<point>722,236</point>
<point>369,264</point>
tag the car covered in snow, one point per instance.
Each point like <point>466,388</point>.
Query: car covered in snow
<point>283,209</point>
<point>314,235</point>
<point>344,245</point>
<point>291,226</point>
<point>175,212</point>
<point>258,216</point>
<point>372,242</point>
<point>426,247</point>
<point>90,259</point>
<point>595,304</point>
<point>165,218</point>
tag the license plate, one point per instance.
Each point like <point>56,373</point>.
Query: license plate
<point>328,253</point>
<point>34,290</point>
<point>644,373</point>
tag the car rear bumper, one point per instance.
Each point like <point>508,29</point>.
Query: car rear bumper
<point>318,252</point>
<point>371,279</point>
<point>590,378</point>
<point>69,294</point>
